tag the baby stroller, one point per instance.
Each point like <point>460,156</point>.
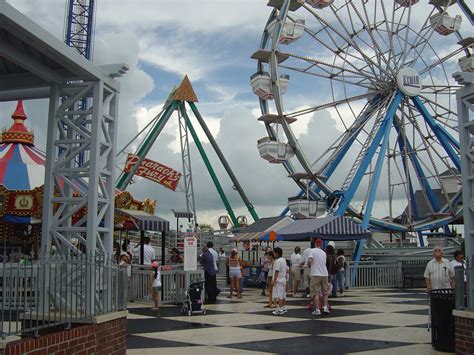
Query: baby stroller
<point>193,299</point>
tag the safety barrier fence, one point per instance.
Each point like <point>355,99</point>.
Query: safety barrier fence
<point>396,273</point>
<point>58,291</point>
<point>373,274</point>
<point>174,284</point>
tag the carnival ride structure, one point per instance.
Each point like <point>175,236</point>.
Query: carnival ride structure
<point>384,73</point>
<point>176,102</point>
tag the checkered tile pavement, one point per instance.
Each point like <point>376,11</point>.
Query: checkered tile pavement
<point>381,321</point>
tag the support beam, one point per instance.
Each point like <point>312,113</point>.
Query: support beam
<point>344,147</point>
<point>29,64</point>
<point>208,164</point>
<point>465,104</point>
<point>384,131</point>
<point>126,177</point>
<point>445,139</point>
<point>63,196</point>
<point>349,193</point>
<point>224,162</point>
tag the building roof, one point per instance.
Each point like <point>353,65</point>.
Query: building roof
<point>328,228</point>
<point>422,207</point>
<point>31,59</point>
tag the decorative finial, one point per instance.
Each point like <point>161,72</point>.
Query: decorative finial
<point>19,113</point>
<point>18,133</point>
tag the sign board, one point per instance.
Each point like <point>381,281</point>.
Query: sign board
<point>409,81</point>
<point>154,171</point>
<point>190,254</point>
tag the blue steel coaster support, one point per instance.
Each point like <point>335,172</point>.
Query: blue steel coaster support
<point>80,26</point>
<point>446,140</point>
<point>383,132</point>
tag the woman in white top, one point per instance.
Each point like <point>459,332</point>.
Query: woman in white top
<point>271,258</point>
<point>156,285</point>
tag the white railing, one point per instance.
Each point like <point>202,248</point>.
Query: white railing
<point>174,284</point>
<point>374,274</point>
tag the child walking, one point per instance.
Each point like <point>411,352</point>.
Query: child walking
<point>155,285</point>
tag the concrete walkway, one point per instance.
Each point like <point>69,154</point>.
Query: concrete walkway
<point>378,321</point>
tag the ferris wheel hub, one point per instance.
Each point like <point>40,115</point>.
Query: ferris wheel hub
<point>409,81</point>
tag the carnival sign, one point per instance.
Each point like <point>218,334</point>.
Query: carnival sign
<point>154,171</point>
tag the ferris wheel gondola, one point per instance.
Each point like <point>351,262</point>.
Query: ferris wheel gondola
<point>384,73</point>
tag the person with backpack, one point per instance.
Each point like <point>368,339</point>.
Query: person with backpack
<point>341,266</point>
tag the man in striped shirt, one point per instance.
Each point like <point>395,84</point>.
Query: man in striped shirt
<point>439,272</point>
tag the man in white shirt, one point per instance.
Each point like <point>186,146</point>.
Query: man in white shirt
<point>148,252</point>
<point>297,262</point>
<point>439,272</point>
<point>319,277</point>
<point>279,281</point>
<point>306,270</point>
<point>459,261</point>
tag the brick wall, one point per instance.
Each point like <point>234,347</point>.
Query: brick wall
<point>464,335</point>
<point>105,338</point>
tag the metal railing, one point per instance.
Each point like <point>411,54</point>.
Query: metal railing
<point>383,273</point>
<point>373,274</point>
<point>174,284</point>
<point>53,291</point>
<point>464,277</point>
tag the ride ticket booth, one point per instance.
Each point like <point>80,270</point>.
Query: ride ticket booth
<point>249,241</point>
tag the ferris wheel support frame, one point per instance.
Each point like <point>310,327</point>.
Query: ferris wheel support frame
<point>382,133</point>
<point>444,137</point>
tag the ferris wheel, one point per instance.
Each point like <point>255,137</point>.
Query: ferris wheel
<point>382,69</point>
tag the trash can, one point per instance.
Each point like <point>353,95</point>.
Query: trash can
<point>442,304</point>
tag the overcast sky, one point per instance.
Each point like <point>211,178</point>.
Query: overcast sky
<point>211,41</point>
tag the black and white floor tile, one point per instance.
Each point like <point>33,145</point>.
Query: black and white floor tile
<point>377,321</point>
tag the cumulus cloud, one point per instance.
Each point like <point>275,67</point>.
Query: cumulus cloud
<point>211,40</point>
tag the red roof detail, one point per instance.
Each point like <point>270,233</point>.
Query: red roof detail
<point>19,113</point>
<point>18,133</point>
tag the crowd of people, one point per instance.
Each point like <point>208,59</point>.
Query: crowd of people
<point>316,273</point>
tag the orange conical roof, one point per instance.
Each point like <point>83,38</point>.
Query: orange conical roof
<point>18,133</point>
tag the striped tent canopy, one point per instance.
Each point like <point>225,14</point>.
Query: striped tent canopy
<point>21,164</point>
<point>146,222</point>
<point>259,229</point>
<point>326,228</point>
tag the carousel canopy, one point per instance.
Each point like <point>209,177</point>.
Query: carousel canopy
<point>327,228</point>
<point>21,164</point>
<point>21,172</point>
